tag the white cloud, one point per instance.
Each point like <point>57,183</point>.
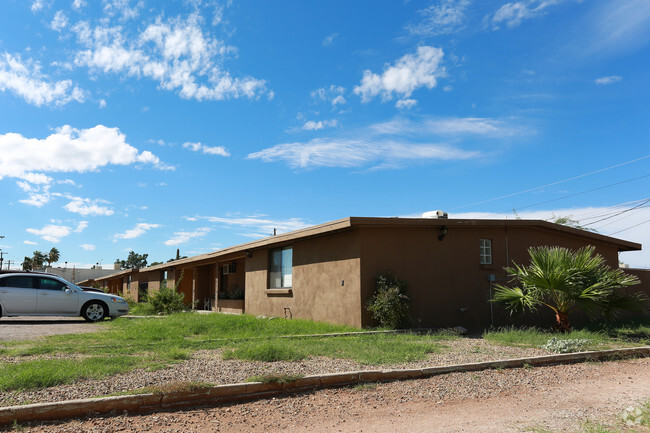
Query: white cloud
<point>59,22</point>
<point>608,80</point>
<point>68,150</point>
<point>406,103</point>
<point>443,18</point>
<point>137,231</point>
<point>86,206</point>
<point>512,14</point>
<point>24,79</point>
<point>409,73</point>
<point>357,152</point>
<point>330,39</point>
<point>125,9</point>
<point>184,237</point>
<point>333,94</point>
<point>176,53</point>
<point>51,232</point>
<point>102,103</point>
<point>78,4</point>
<point>38,194</point>
<point>198,147</point>
<point>262,226</point>
<point>37,5</point>
<point>392,143</point>
<point>30,243</point>
<point>88,247</point>
<point>318,125</point>
<point>81,226</point>
<point>616,28</point>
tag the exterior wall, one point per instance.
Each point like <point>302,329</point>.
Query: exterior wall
<point>644,276</point>
<point>446,282</point>
<point>325,280</point>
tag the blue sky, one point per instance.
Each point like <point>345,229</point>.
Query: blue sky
<point>198,124</point>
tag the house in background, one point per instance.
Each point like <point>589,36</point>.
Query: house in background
<point>327,272</point>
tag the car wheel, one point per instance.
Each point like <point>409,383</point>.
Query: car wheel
<point>94,311</point>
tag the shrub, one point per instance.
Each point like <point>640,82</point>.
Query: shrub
<point>168,300</point>
<point>389,305</point>
<point>570,345</point>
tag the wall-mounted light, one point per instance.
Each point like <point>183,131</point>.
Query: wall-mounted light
<point>443,233</point>
<point>248,253</point>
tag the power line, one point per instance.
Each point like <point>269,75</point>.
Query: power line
<point>551,184</point>
<point>619,213</point>
<point>631,227</point>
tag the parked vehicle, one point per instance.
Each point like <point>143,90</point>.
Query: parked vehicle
<point>41,294</point>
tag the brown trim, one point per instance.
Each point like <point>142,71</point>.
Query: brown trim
<point>279,292</point>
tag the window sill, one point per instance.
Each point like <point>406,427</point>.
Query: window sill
<point>486,266</point>
<point>279,292</point>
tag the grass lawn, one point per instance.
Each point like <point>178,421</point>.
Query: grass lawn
<point>155,343</point>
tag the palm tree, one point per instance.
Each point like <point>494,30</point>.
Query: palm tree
<point>53,256</point>
<point>564,280</point>
<point>28,265</point>
<point>38,259</point>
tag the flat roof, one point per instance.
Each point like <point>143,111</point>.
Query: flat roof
<point>351,222</point>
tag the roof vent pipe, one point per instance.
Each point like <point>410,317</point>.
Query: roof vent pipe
<point>435,214</point>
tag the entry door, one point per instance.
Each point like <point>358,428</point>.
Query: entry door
<point>18,294</point>
<point>54,297</point>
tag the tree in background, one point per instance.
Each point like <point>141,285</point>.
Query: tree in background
<point>28,264</point>
<point>133,261</point>
<point>564,280</point>
<point>38,260</point>
<point>570,222</point>
<point>53,256</point>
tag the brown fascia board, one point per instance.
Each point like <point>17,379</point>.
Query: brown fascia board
<point>622,245</point>
<point>117,274</point>
<point>351,222</point>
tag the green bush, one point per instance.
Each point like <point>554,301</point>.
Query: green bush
<point>168,300</point>
<point>389,305</point>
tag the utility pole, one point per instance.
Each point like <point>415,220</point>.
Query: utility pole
<point>1,259</point>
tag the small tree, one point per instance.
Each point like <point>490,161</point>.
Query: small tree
<point>28,264</point>
<point>38,260</point>
<point>564,280</point>
<point>389,305</point>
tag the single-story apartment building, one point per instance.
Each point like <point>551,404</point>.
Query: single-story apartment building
<point>327,272</point>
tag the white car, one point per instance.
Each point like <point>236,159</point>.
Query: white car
<point>39,294</point>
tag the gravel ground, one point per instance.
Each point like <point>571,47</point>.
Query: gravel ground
<point>208,367</point>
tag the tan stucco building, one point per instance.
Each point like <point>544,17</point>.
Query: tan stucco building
<point>327,272</point>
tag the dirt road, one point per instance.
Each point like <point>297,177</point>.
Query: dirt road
<point>27,328</point>
<point>557,397</point>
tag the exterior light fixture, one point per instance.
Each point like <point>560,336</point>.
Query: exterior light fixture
<point>443,233</point>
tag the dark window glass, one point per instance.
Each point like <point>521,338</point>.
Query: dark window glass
<point>23,282</point>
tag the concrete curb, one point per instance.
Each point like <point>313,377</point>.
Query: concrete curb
<point>237,392</point>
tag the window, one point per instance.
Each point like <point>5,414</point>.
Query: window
<point>486,251</point>
<point>281,268</point>
<point>49,284</point>
<point>20,282</point>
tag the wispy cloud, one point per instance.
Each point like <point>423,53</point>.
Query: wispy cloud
<point>409,73</point>
<point>514,13</point>
<point>329,40</point>
<point>68,150</point>
<point>208,150</point>
<point>332,94</point>
<point>445,17</point>
<point>137,231</point>
<point>608,80</point>
<point>262,226</point>
<point>24,79</point>
<point>88,247</point>
<point>391,144</point>
<point>183,237</point>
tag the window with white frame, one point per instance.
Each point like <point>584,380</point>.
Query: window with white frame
<point>486,251</point>
<point>281,274</point>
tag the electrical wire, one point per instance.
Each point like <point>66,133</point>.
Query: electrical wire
<point>551,184</point>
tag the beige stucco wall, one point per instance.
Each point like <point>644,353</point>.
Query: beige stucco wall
<point>326,281</point>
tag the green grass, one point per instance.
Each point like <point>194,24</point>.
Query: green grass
<point>275,378</point>
<point>156,343</point>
